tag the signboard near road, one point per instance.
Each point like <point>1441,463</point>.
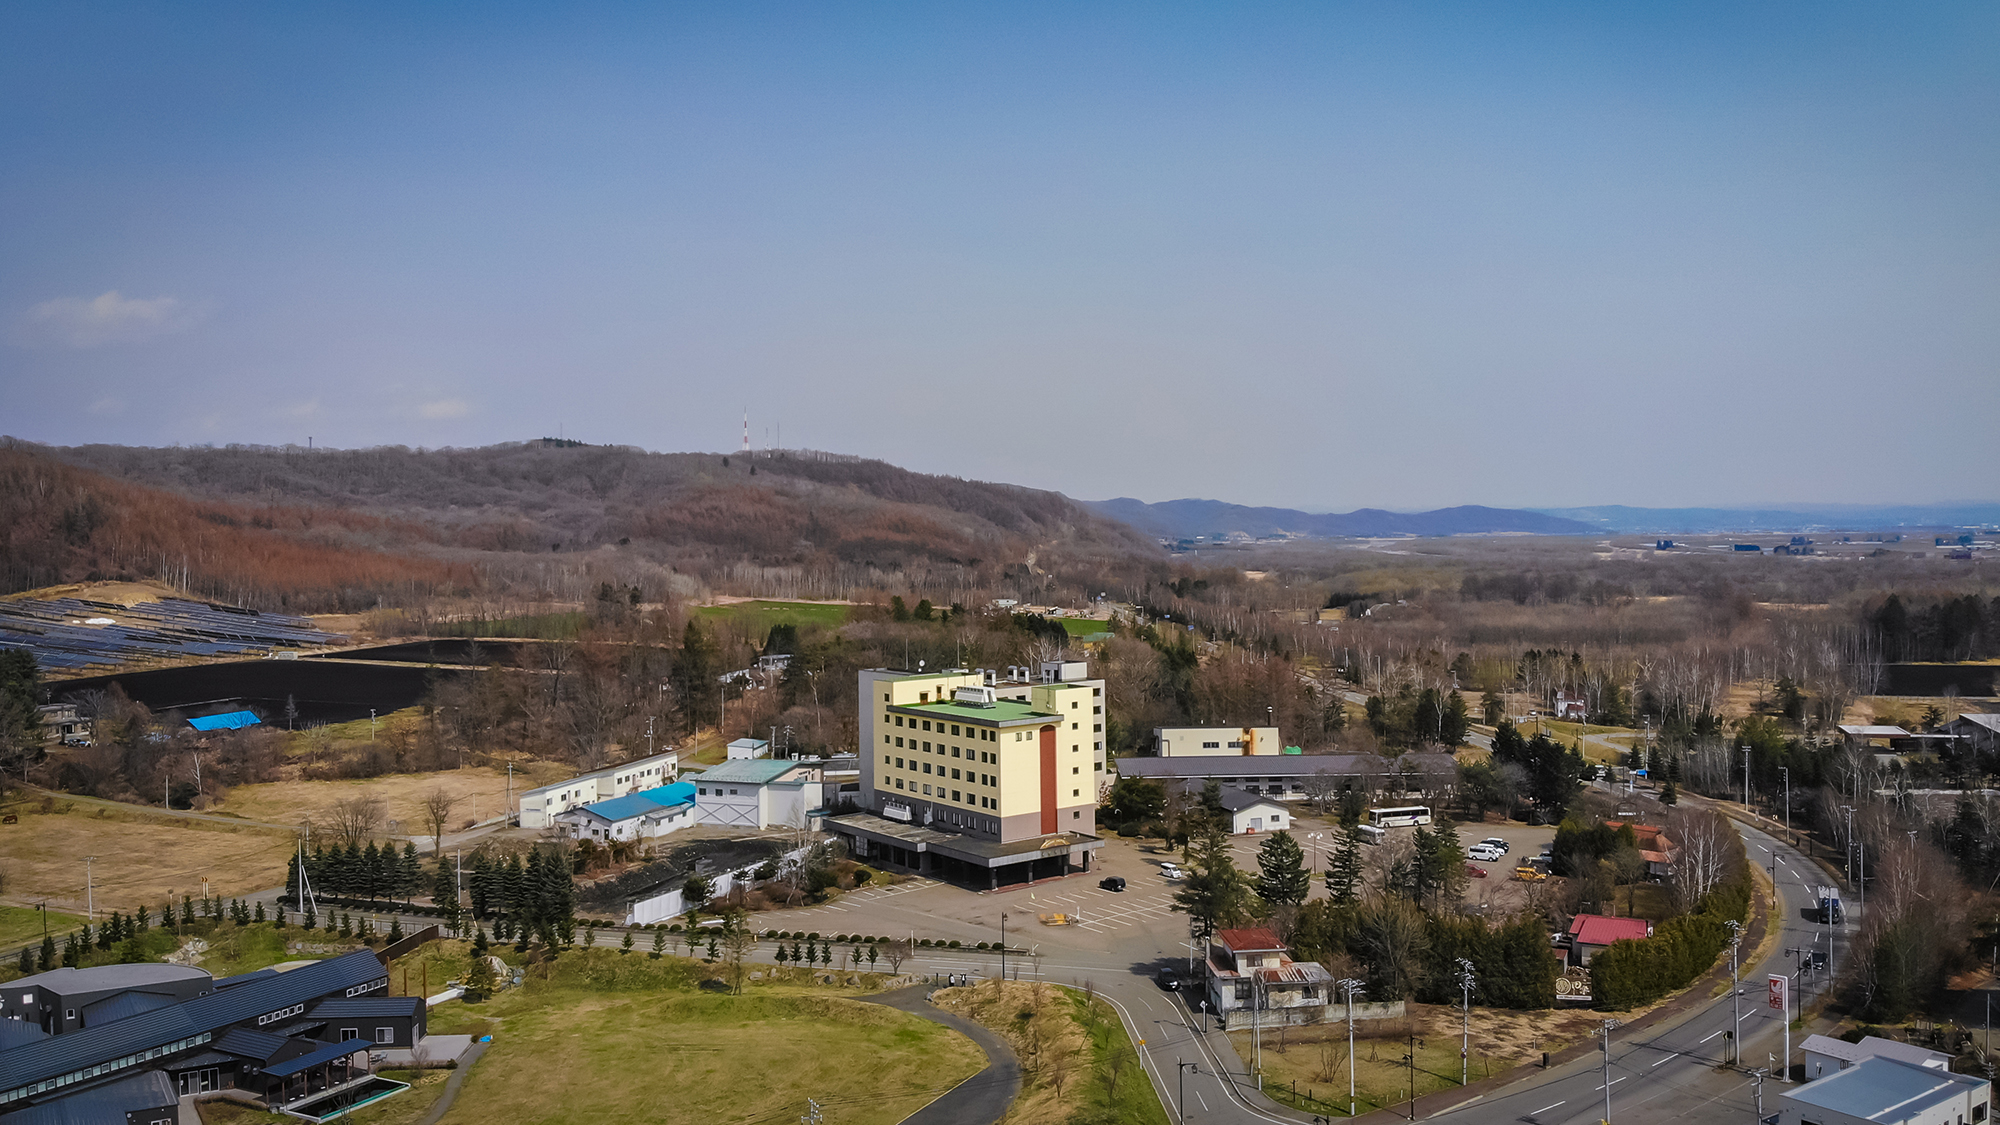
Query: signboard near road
<point>1777,997</point>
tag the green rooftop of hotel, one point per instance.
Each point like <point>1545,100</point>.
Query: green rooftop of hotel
<point>1002,711</point>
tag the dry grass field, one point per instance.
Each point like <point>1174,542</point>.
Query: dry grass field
<point>141,858</point>
<point>481,792</point>
<point>1316,1058</point>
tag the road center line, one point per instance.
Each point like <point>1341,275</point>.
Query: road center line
<point>1713,1035</point>
<point>1669,1058</point>
<point>1544,1109</point>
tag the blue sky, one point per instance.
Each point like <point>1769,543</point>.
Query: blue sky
<point>1323,255</point>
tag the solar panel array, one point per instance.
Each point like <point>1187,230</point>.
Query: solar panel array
<point>54,631</point>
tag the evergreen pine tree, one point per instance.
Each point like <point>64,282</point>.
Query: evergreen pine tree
<point>143,921</point>
<point>311,918</point>
<point>1282,878</point>
<point>780,956</point>
<point>27,960</point>
<point>104,933</point>
<point>411,876</point>
<point>187,910</point>
<point>47,959</point>
<point>659,944</point>
<point>1215,894</point>
<point>259,916</point>
<point>479,943</point>
<point>373,873</point>
<point>626,945</point>
<point>1343,868</point>
<point>395,930</point>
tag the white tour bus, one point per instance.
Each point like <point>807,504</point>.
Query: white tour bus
<point>1399,817</point>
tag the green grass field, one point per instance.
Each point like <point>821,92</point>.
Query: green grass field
<point>758,617</point>
<point>538,627</point>
<point>611,1037</point>
<point>1084,626</point>
<point>20,925</point>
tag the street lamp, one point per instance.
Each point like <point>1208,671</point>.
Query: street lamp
<point>1746,777</point>
<point>1184,1067</point>
<point>1412,1059</point>
<point>1787,771</point>
<point>1003,946</point>
<point>89,895</point>
<point>1312,864</point>
<point>1350,986</point>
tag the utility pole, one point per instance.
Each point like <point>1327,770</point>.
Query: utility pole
<point>89,894</point>
<point>1003,945</point>
<point>507,813</point>
<point>1787,771</point>
<point>1608,1025</point>
<point>1757,1076</point>
<point>1735,993</point>
<point>1350,986</point>
<point>1411,1058</point>
<point>1849,810</point>
<point>1465,982</point>
<point>371,729</point>
<point>1746,777</point>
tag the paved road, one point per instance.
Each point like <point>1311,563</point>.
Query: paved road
<point>1678,1072</point>
<point>980,1099</point>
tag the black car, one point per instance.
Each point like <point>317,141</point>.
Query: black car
<point>1169,980</point>
<point>1112,882</point>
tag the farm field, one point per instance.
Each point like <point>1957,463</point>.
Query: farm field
<point>481,792</point>
<point>567,1050</point>
<point>141,859</point>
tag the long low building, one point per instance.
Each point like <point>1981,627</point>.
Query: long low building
<point>539,807</point>
<point>284,1038</point>
<point>1297,776</point>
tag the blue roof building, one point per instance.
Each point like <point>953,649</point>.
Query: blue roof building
<point>642,815</point>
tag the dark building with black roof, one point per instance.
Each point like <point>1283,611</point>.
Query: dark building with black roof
<point>68,1000</point>
<point>384,1021</point>
<point>255,1035</point>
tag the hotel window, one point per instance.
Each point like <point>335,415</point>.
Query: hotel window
<point>1076,792</point>
<point>927,724</point>
<point>954,751</point>
<point>899,720</point>
<point>385,1035</point>
<point>954,730</point>
<point>1074,769</point>
<point>899,740</point>
<point>927,747</point>
<point>899,763</point>
<point>886,759</point>
<point>955,796</point>
<point>899,783</point>
<point>954,775</point>
<point>927,790</point>
<point>927,767</point>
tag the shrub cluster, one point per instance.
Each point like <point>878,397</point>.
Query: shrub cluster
<point>1627,974</point>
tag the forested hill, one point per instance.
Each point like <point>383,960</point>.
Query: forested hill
<point>500,507</point>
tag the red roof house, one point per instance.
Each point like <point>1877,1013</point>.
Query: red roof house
<point>1589,933</point>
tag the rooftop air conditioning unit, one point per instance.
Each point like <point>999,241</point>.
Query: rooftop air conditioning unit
<point>976,696</point>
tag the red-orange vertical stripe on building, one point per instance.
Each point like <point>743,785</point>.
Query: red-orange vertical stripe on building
<point>1048,780</point>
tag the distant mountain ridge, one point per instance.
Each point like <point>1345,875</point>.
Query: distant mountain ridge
<point>1189,519</point>
<point>1622,520</point>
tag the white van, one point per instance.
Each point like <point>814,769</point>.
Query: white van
<point>1370,834</point>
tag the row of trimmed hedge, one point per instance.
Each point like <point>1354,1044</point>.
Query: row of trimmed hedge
<point>1628,974</point>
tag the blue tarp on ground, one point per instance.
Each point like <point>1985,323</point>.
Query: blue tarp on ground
<point>228,720</point>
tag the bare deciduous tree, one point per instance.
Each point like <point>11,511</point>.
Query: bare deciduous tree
<point>896,952</point>
<point>438,805</point>
<point>1708,850</point>
<point>355,819</point>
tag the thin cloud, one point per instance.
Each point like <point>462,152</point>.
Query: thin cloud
<point>110,318</point>
<point>445,408</point>
<point>305,409</point>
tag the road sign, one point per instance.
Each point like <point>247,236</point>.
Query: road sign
<point>1777,1000</point>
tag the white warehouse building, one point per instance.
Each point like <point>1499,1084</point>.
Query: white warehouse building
<point>539,807</point>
